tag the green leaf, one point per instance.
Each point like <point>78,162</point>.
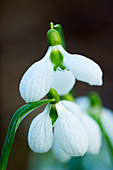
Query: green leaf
<point>18,116</point>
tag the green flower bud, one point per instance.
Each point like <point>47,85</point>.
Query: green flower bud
<point>53,114</point>
<point>52,94</point>
<point>53,37</point>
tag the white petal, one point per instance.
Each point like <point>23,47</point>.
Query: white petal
<point>107,122</point>
<point>59,153</point>
<point>69,132</point>
<point>72,107</point>
<point>37,80</point>
<point>83,102</point>
<point>40,136</point>
<point>83,68</point>
<point>63,81</point>
<point>94,134</point>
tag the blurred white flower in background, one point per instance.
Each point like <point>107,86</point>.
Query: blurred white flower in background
<point>107,122</point>
<point>106,115</point>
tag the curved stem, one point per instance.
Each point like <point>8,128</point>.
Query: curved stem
<point>19,115</point>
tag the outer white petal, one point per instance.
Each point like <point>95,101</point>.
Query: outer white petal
<point>63,81</point>
<point>69,132</point>
<point>94,134</point>
<point>83,68</point>
<point>59,153</point>
<point>83,102</point>
<point>72,107</point>
<point>40,136</point>
<point>37,80</point>
<point>107,122</point>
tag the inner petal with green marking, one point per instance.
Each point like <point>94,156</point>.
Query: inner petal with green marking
<point>57,58</point>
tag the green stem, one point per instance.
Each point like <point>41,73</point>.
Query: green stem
<point>51,25</point>
<point>59,29</point>
<point>109,144</point>
<point>19,115</point>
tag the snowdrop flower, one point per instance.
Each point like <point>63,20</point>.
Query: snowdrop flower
<point>93,132</point>
<point>58,69</point>
<point>90,126</point>
<point>69,133</point>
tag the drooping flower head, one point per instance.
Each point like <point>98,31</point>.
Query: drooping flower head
<point>59,70</point>
<point>69,132</point>
<point>74,131</point>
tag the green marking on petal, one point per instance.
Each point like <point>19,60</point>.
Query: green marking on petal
<point>53,114</point>
<point>57,59</point>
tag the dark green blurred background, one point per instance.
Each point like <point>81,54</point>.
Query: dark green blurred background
<point>88,30</point>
